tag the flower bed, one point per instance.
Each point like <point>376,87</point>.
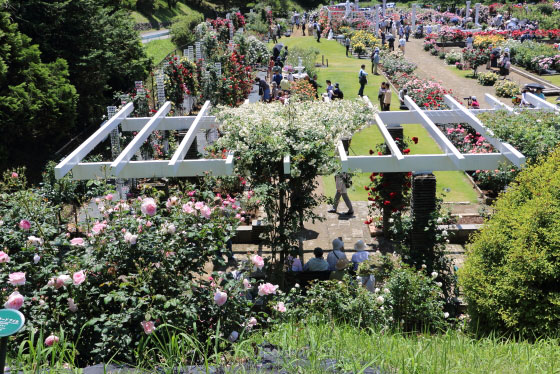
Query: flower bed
<point>507,88</point>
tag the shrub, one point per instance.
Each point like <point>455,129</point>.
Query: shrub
<point>452,58</point>
<point>487,79</point>
<point>366,38</point>
<point>434,51</point>
<point>182,29</point>
<point>507,88</point>
<point>510,277</point>
<point>359,48</point>
<point>459,65</point>
<point>441,55</point>
<point>394,63</point>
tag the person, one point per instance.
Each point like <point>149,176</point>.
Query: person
<point>285,54</point>
<point>290,76</point>
<point>402,94</point>
<point>336,254</point>
<point>318,33</point>
<point>317,263</point>
<point>270,67</point>
<point>381,95</point>
<point>361,254</point>
<point>337,92</point>
<point>429,29</point>
<point>407,32</point>
<point>362,77</point>
<point>339,270</point>
<point>494,57</point>
<point>347,44</point>
<point>469,41</point>
<point>314,84</point>
<point>375,61</point>
<point>401,32</point>
<point>539,93</point>
<point>387,98</point>
<point>391,40</point>
<point>264,88</point>
<point>275,91</point>
<point>524,101</point>
<point>285,84</point>
<point>402,42</point>
<point>341,180</point>
<point>277,77</point>
<point>474,103</point>
<point>505,65</point>
<point>382,34</point>
<point>330,89</point>
<point>272,33</point>
<point>293,262</point>
<point>303,28</point>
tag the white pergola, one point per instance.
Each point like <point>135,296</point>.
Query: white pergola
<point>177,166</point>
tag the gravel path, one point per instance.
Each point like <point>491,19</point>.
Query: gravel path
<point>432,67</point>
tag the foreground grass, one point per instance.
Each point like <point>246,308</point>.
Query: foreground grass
<point>158,49</point>
<point>452,352</point>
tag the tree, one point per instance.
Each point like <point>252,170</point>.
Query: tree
<point>37,101</point>
<point>103,50</point>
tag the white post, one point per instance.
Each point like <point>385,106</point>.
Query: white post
<point>476,13</point>
<point>116,144</point>
<point>468,9</point>
<point>384,7</point>
<point>190,53</point>
<point>160,89</point>
<point>413,17</point>
<point>218,67</point>
<point>329,14</point>
<point>198,51</point>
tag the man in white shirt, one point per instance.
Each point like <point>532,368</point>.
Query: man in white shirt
<point>317,263</point>
<point>402,42</point>
<point>336,254</point>
<point>361,255</point>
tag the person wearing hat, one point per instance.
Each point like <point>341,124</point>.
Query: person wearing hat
<point>317,263</point>
<point>337,92</point>
<point>375,61</point>
<point>474,103</point>
<point>361,254</point>
<point>337,254</point>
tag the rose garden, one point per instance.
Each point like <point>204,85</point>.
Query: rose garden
<point>177,214</point>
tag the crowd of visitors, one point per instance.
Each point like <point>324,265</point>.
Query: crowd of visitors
<point>337,261</point>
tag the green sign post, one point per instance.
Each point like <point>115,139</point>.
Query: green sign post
<point>11,321</point>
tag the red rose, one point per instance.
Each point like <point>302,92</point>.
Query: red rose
<point>366,188</point>
<point>406,151</point>
<point>386,202</point>
<point>392,194</point>
<point>380,154</point>
<point>415,139</point>
<point>371,151</point>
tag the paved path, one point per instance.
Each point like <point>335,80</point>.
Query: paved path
<point>155,35</point>
<point>432,67</point>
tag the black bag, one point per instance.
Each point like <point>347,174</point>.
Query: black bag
<point>363,79</point>
<point>347,178</point>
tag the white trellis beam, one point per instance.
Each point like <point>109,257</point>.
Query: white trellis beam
<point>540,103</point>
<point>140,138</point>
<point>153,169</point>
<point>286,163</point>
<point>441,162</point>
<point>497,104</point>
<point>167,123</point>
<point>506,149</point>
<point>438,136</point>
<point>395,151</point>
<point>97,137</point>
<point>189,137</point>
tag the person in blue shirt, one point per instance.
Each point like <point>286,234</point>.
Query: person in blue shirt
<point>317,263</point>
<point>363,80</point>
<point>375,61</point>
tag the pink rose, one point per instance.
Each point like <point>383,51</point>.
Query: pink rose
<point>199,205</point>
<point>220,298</point>
<point>188,207</point>
<point>98,227</point>
<point>129,238</point>
<point>148,206</point>
<point>172,201</point>
<point>149,223</point>
<point>148,326</point>
<point>14,175</point>
<point>33,240</point>
<point>15,301</point>
<point>252,322</point>
<point>258,261</point>
<point>246,284</point>
<point>73,307</point>
<point>78,242</point>
<point>4,257</point>
<point>267,289</point>
<point>206,211</point>
<point>78,278</point>
<point>59,281</point>
<point>50,340</point>
<point>24,224</point>
<point>109,197</point>
<point>280,307</point>
<point>17,279</point>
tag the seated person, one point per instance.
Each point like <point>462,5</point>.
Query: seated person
<point>402,94</point>
<point>336,254</point>
<point>275,91</point>
<point>361,254</point>
<point>293,262</point>
<point>317,263</point>
<point>277,77</point>
<point>540,94</point>
<point>330,89</point>
<point>337,93</point>
<point>285,84</point>
<point>474,103</point>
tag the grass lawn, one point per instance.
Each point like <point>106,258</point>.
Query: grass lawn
<point>355,349</point>
<point>162,14</point>
<point>345,70</point>
<point>158,49</point>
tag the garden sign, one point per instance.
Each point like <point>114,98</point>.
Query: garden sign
<point>11,321</point>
